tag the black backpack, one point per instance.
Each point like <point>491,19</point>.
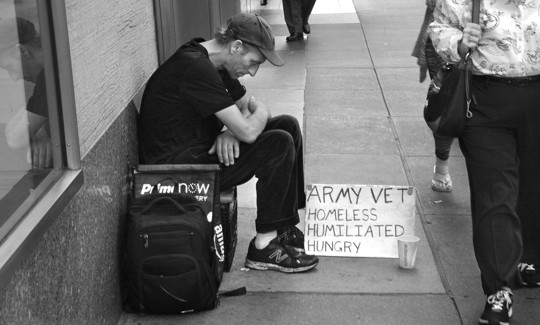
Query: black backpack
<point>171,262</point>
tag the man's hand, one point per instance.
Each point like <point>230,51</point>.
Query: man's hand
<point>254,105</point>
<point>40,151</point>
<point>227,148</point>
<point>246,119</point>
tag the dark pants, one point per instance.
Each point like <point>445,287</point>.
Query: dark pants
<point>276,159</point>
<point>297,13</point>
<point>501,146</point>
<point>443,144</point>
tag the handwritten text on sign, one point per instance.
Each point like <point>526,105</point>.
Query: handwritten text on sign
<point>358,220</point>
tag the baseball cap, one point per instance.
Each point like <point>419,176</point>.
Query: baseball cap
<point>254,30</point>
<point>16,31</point>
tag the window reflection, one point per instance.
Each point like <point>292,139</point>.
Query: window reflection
<point>25,144</point>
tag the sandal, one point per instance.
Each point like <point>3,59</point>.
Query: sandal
<point>441,182</point>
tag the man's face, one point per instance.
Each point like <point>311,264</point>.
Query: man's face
<point>244,60</point>
<point>10,60</point>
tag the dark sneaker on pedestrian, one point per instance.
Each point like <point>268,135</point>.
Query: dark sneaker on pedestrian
<point>292,236</point>
<point>306,28</point>
<point>498,309</point>
<point>529,275</point>
<point>295,37</point>
<point>280,257</point>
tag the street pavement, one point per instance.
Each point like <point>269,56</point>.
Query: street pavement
<point>355,88</point>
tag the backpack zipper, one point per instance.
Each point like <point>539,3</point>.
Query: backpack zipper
<point>146,237</point>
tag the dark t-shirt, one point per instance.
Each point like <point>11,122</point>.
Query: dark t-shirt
<point>177,122</point>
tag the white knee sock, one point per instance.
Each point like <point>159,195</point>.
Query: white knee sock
<point>263,239</point>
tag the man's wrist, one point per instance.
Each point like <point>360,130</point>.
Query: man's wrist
<point>229,132</point>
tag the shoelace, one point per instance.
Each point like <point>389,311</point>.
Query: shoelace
<point>498,299</point>
<point>291,233</point>
<point>526,267</point>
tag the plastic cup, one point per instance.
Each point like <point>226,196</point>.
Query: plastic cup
<point>407,247</point>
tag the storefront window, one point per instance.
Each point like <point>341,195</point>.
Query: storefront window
<point>39,148</point>
<point>25,141</point>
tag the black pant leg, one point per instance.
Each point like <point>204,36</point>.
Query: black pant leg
<point>292,11</point>
<point>528,205</point>
<point>307,7</point>
<point>490,149</point>
<point>276,159</point>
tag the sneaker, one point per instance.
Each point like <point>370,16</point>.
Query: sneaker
<point>498,309</point>
<point>280,257</point>
<point>529,276</point>
<point>294,237</point>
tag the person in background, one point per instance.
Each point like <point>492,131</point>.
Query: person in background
<point>297,14</point>
<point>186,105</point>
<point>501,140</point>
<point>21,55</point>
<point>430,62</point>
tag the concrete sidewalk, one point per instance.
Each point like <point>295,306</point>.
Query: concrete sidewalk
<point>355,86</point>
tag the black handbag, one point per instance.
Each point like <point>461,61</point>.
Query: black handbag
<point>447,111</point>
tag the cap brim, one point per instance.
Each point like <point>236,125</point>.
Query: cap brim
<point>272,57</point>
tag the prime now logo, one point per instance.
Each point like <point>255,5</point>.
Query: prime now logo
<point>181,188</point>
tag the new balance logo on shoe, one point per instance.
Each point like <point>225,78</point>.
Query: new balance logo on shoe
<point>277,255</point>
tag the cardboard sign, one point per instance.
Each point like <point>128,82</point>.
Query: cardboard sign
<point>358,220</point>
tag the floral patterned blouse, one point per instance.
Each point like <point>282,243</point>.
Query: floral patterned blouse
<point>510,42</point>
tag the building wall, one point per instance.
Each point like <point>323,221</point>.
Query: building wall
<point>113,49</point>
<point>72,276</point>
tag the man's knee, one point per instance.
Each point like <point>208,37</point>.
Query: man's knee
<point>287,123</point>
<point>290,122</point>
<point>276,150</point>
<point>276,143</point>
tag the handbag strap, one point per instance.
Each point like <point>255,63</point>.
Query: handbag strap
<point>468,65</point>
<point>467,75</point>
<point>476,11</point>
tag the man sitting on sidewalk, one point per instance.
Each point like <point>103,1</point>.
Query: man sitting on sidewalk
<point>185,106</point>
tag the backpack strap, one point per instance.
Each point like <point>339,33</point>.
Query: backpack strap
<point>235,292</point>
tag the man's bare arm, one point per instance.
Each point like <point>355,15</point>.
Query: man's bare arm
<point>244,122</point>
<point>245,129</point>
